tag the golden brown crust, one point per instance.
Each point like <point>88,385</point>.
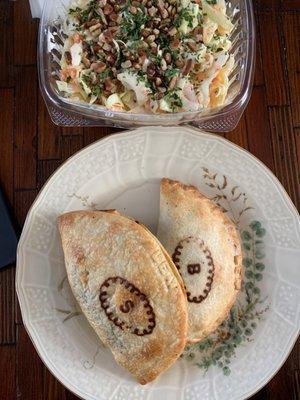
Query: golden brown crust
<point>126,289</point>
<point>169,260</point>
<point>166,254</point>
<point>191,228</point>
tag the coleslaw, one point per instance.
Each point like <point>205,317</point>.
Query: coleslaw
<point>152,56</point>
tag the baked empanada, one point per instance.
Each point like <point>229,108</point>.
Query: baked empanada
<point>205,247</point>
<point>127,290</point>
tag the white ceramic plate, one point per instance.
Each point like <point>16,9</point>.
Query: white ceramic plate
<point>123,172</point>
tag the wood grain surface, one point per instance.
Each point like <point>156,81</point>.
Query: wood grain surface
<point>31,148</point>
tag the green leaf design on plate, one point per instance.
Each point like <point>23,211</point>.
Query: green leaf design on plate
<point>226,370</point>
<point>255,225</point>
<point>248,332</point>
<point>258,277</point>
<point>220,347</point>
<point>246,235</point>
<point>246,246</point>
<point>256,290</point>
<point>259,266</point>
<point>71,315</point>
<point>249,274</point>
<point>232,200</point>
<point>259,254</point>
<point>247,262</point>
<point>260,232</point>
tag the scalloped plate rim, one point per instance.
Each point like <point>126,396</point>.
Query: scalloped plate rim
<point>193,132</point>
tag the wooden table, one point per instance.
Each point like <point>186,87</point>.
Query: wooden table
<point>31,148</point>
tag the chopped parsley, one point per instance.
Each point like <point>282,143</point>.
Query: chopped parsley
<point>174,53</point>
<point>74,10</point>
<point>173,99</point>
<point>135,44</point>
<point>83,15</point>
<point>184,15</point>
<point>214,48</point>
<point>163,40</point>
<point>131,24</point>
<point>143,78</point>
<point>98,87</point>
<point>97,90</point>
<point>103,75</point>
<point>140,42</point>
<point>170,73</point>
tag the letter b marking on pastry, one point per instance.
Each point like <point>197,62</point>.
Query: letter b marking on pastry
<point>197,276</point>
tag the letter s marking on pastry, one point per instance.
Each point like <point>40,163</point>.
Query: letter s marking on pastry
<point>127,306</point>
<point>135,313</point>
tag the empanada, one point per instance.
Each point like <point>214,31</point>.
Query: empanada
<point>125,287</point>
<point>205,247</point>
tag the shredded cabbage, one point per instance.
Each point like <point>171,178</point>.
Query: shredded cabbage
<point>209,29</point>
<point>62,86</point>
<point>76,54</point>
<point>114,103</point>
<point>188,95</point>
<point>193,10</point>
<point>185,67</point>
<point>219,86</point>
<point>204,88</point>
<point>130,81</point>
<point>217,16</point>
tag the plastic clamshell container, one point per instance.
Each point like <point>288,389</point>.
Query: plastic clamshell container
<point>67,112</point>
